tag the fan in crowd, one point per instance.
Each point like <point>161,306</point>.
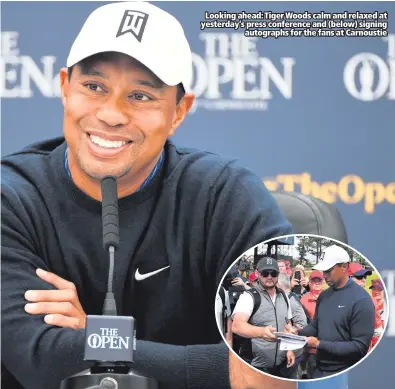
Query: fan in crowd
<point>299,281</point>
<point>309,301</point>
<point>377,289</point>
<point>358,273</point>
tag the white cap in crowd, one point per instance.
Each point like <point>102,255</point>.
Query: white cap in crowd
<point>331,256</point>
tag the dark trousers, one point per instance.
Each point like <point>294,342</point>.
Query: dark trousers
<point>311,362</point>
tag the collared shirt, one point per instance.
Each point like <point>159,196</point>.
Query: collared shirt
<point>146,181</point>
<point>349,281</point>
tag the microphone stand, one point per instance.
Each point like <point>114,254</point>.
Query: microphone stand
<point>112,365</point>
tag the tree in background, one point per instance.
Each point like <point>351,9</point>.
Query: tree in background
<point>315,246</point>
<point>302,249</point>
<point>354,256</point>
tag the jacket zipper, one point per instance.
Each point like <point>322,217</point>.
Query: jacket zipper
<point>275,314</point>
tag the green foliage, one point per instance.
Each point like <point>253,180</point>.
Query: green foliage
<point>302,249</point>
<point>315,246</point>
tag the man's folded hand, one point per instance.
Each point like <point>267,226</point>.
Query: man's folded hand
<point>61,307</point>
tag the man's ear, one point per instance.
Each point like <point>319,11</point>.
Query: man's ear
<point>182,110</point>
<point>64,85</point>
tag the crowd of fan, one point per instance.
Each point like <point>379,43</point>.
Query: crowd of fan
<point>302,287</point>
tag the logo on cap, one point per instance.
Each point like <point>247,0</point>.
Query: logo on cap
<point>269,261</point>
<point>133,22</point>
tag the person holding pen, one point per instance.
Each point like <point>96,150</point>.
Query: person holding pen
<point>343,323</point>
<point>299,319</point>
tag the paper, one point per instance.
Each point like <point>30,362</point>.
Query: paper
<point>290,341</point>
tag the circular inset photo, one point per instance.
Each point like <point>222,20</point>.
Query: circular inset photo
<point>302,307</point>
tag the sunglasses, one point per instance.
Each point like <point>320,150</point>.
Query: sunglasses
<point>359,278</point>
<point>266,273</point>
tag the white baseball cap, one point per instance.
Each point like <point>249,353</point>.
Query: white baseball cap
<point>141,30</point>
<point>331,256</point>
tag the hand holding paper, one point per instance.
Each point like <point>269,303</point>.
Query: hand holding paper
<point>268,333</point>
<point>313,341</point>
<point>290,341</point>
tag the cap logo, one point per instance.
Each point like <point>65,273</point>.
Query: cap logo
<point>133,22</point>
<point>269,261</point>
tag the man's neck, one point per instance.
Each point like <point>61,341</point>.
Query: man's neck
<point>342,283</point>
<point>127,184</point>
<point>271,291</point>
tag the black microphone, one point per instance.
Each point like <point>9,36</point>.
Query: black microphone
<point>110,222</point>
<point>110,212</point>
<point>110,339</point>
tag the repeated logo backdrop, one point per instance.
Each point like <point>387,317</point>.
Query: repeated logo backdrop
<point>312,115</point>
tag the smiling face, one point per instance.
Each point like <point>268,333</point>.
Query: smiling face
<point>117,118</point>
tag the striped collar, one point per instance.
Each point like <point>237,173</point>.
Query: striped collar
<point>146,181</point>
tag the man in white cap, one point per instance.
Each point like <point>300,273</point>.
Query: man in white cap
<point>185,215</point>
<point>343,323</point>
